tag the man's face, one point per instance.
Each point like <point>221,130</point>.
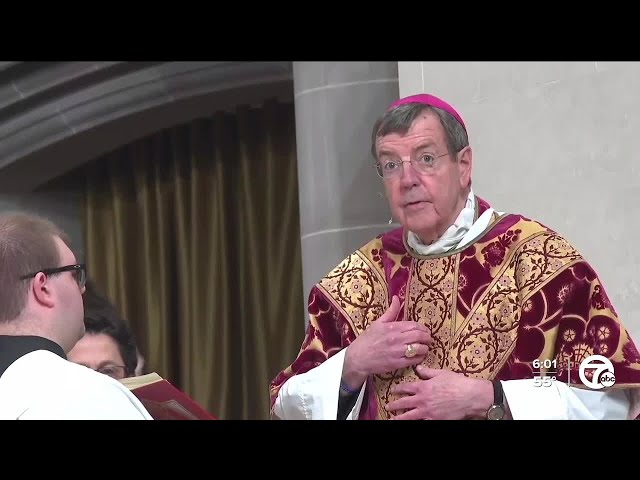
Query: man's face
<point>99,352</point>
<point>426,203</point>
<point>68,295</point>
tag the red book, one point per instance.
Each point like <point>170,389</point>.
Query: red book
<point>164,401</point>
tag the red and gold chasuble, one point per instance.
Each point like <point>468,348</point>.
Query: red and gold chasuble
<point>519,295</point>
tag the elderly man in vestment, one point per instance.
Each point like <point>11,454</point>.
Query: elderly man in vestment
<point>464,312</point>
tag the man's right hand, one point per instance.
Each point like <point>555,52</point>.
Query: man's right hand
<point>381,348</point>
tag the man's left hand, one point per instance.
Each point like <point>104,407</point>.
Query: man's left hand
<point>441,395</point>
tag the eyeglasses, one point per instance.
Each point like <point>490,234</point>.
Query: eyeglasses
<point>393,168</point>
<point>79,272</point>
<point>115,371</point>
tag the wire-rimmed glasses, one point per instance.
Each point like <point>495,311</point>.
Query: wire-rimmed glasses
<point>424,165</point>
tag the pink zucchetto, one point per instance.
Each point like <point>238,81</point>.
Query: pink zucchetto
<point>431,100</point>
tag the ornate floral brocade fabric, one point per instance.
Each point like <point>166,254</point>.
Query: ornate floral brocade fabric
<point>520,293</point>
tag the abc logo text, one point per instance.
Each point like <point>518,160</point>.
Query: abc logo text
<point>603,375</point>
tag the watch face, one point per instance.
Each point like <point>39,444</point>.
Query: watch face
<point>496,412</point>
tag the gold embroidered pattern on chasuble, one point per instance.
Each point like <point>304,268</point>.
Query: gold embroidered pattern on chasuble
<point>356,287</point>
<point>520,263</point>
<point>476,337</point>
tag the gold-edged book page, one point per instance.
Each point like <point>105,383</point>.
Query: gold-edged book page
<point>141,380</point>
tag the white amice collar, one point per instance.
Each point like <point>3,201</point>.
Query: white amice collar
<point>463,231</point>
<point>452,236</point>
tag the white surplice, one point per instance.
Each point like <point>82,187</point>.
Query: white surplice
<point>44,386</point>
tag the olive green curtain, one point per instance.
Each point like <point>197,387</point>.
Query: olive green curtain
<point>193,233</point>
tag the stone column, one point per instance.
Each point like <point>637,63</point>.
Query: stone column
<point>342,203</point>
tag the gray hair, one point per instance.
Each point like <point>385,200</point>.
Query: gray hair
<point>400,119</point>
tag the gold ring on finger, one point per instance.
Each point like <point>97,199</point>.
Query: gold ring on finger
<point>410,351</point>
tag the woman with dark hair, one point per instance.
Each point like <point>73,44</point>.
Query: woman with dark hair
<point>108,345</point>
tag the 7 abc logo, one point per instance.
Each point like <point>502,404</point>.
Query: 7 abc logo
<point>603,375</point>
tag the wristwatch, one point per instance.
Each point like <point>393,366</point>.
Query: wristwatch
<point>497,410</point>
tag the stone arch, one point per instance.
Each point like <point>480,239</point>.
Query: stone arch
<point>54,116</point>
